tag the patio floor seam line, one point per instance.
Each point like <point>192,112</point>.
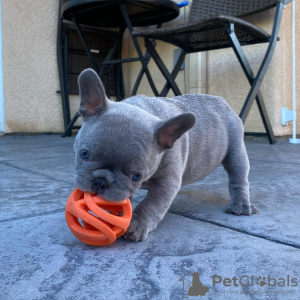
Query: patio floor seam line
<point>36,173</point>
<point>274,161</point>
<point>175,213</point>
<point>285,243</point>
<point>52,212</point>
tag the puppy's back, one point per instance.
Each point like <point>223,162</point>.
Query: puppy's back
<point>217,127</point>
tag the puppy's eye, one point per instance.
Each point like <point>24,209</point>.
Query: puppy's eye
<point>136,176</point>
<point>84,154</point>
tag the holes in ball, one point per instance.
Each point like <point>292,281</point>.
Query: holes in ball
<point>88,226</point>
<point>93,214</point>
<point>80,222</point>
<point>107,211</point>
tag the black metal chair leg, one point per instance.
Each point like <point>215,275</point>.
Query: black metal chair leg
<point>251,77</point>
<point>140,76</point>
<point>110,54</point>
<point>265,118</point>
<point>174,73</point>
<point>62,50</point>
<point>68,131</point>
<point>120,84</point>
<point>162,67</point>
<point>255,82</point>
<point>266,61</point>
<point>138,48</point>
<point>66,82</point>
<point>64,85</point>
<point>86,47</point>
<point>142,71</point>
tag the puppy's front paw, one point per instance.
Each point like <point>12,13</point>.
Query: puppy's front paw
<point>138,229</point>
<point>241,209</point>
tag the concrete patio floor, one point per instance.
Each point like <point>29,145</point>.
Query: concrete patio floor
<point>255,257</point>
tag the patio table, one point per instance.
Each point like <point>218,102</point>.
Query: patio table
<point>110,13</point>
<point>120,14</point>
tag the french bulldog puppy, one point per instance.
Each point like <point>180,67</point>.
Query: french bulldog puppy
<point>158,144</point>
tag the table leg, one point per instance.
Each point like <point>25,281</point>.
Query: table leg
<point>142,71</point>
<point>86,47</point>
<point>62,57</point>
<point>120,83</point>
<point>169,78</point>
<point>140,76</point>
<point>138,48</point>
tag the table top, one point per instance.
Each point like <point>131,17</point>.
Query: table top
<point>108,14</point>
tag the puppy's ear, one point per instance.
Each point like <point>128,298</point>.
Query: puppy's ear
<point>167,134</point>
<point>92,93</point>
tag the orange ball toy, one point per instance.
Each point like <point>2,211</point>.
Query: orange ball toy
<point>96,221</point>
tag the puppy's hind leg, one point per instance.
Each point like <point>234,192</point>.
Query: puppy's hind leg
<point>236,164</point>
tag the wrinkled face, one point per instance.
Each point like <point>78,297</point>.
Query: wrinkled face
<point>113,157</point>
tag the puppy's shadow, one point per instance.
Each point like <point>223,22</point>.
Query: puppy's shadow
<point>200,201</point>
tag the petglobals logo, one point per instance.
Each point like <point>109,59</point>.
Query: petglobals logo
<point>192,286</point>
<point>198,286</point>
<point>247,281</point>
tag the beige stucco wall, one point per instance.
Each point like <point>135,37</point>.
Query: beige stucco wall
<point>31,76</point>
<point>29,66</point>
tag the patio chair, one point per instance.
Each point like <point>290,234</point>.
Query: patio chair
<point>218,24</point>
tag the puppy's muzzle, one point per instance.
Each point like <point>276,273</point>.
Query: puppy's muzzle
<point>99,185</point>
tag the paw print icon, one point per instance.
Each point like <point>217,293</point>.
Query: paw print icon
<point>261,281</point>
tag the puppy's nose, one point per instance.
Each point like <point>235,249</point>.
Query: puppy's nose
<point>99,185</point>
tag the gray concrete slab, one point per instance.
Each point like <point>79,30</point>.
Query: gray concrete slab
<point>57,168</point>
<point>26,193</point>
<point>41,259</point>
<point>280,152</point>
<point>20,148</point>
<point>47,155</point>
<point>274,190</point>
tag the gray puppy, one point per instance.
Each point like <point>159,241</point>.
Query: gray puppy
<point>159,145</point>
